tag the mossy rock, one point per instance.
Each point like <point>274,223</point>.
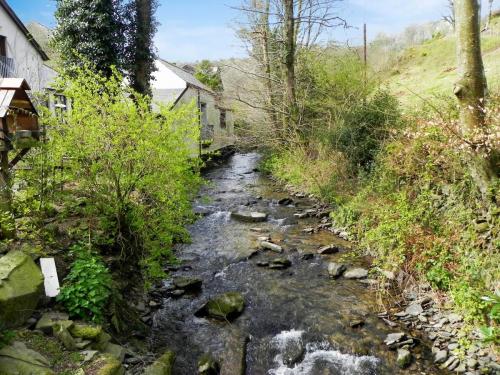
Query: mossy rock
<point>21,283</point>
<point>17,359</point>
<point>106,364</point>
<point>162,366</point>
<point>207,365</point>
<point>86,331</point>
<point>102,341</point>
<point>227,306</point>
<point>47,321</point>
<point>60,330</point>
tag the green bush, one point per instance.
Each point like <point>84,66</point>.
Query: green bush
<point>363,127</point>
<point>87,288</point>
<point>135,168</point>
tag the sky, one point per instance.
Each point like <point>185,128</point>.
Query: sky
<point>191,30</point>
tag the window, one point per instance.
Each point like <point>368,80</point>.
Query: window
<point>204,117</point>
<point>223,118</point>
<point>3,46</point>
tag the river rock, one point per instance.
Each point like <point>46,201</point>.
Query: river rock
<point>249,216</point>
<point>285,201</point>
<point>21,285</point>
<point>227,306</point>
<point>329,249</point>
<point>116,351</point>
<point>262,264</point>
<point>394,338</point>
<point>61,332</point>
<point>47,321</point>
<point>17,359</point>
<point>271,246</point>
<point>356,273</point>
<point>234,357</point>
<point>162,366</point>
<point>293,353</point>
<point>307,256</point>
<point>414,309</point>
<point>207,365</point>
<point>440,356</point>
<point>404,358</point>
<point>336,269</point>
<point>280,263</point>
<point>107,365</point>
<point>85,331</point>
<point>189,284</point>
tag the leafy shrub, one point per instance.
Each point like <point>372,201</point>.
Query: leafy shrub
<point>86,290</point>
<point>133,166</point>
<point>362,128</point>
<point>6,336</point>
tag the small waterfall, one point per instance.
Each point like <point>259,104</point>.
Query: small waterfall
<point>318,358</point>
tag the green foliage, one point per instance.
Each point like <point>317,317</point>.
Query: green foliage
<point>6,336</point>
<point>86,290</point>
<point>209,75</point>
<point>361,130</point>
<point>134,168</point>
<point>341,109</point>
<point>92,30</point>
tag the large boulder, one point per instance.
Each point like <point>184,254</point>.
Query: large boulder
<point>225,306</point>
<point>17,359</point>
<point>162,366</point>
<point>21,285</point>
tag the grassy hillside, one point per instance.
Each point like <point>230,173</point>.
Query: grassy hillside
<point>429,69</point>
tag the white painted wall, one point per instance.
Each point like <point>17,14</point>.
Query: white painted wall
<point>28,62</point>
<point>164,78</point>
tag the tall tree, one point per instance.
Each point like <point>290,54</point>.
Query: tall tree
<point>290,47</point>
<point>89,29</point>
<point>141,53</point>
<point>471,89</point>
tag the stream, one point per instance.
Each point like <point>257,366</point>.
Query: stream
<point>298,307</point>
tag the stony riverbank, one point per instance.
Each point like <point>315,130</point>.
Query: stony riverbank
<point>455,346</point>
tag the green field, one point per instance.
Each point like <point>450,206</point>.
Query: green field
<point>429,69</point>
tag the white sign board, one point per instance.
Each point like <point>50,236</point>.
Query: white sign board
<point>48,266</point>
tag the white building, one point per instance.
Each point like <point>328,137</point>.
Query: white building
<point>20,55</point>
<point>174,85</point>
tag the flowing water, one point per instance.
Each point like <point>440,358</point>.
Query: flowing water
<point>298,310</point>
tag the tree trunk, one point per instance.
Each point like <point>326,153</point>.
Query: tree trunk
<point>471,88</point>
<point>290,46</point>
<point>266,61</point>
<point>143,46</point>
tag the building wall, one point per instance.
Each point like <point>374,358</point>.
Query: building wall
<point>28,62</point>
<point>211,128</point>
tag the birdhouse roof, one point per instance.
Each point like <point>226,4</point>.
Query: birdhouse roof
<point>13,95</point>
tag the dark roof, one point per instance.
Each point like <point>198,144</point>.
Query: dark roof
<point>23,28</point>
<point>185,75</point>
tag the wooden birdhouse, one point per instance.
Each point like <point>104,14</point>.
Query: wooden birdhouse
<point>20,128</point>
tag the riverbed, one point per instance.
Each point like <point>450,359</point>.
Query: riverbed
<point>297,307</point>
